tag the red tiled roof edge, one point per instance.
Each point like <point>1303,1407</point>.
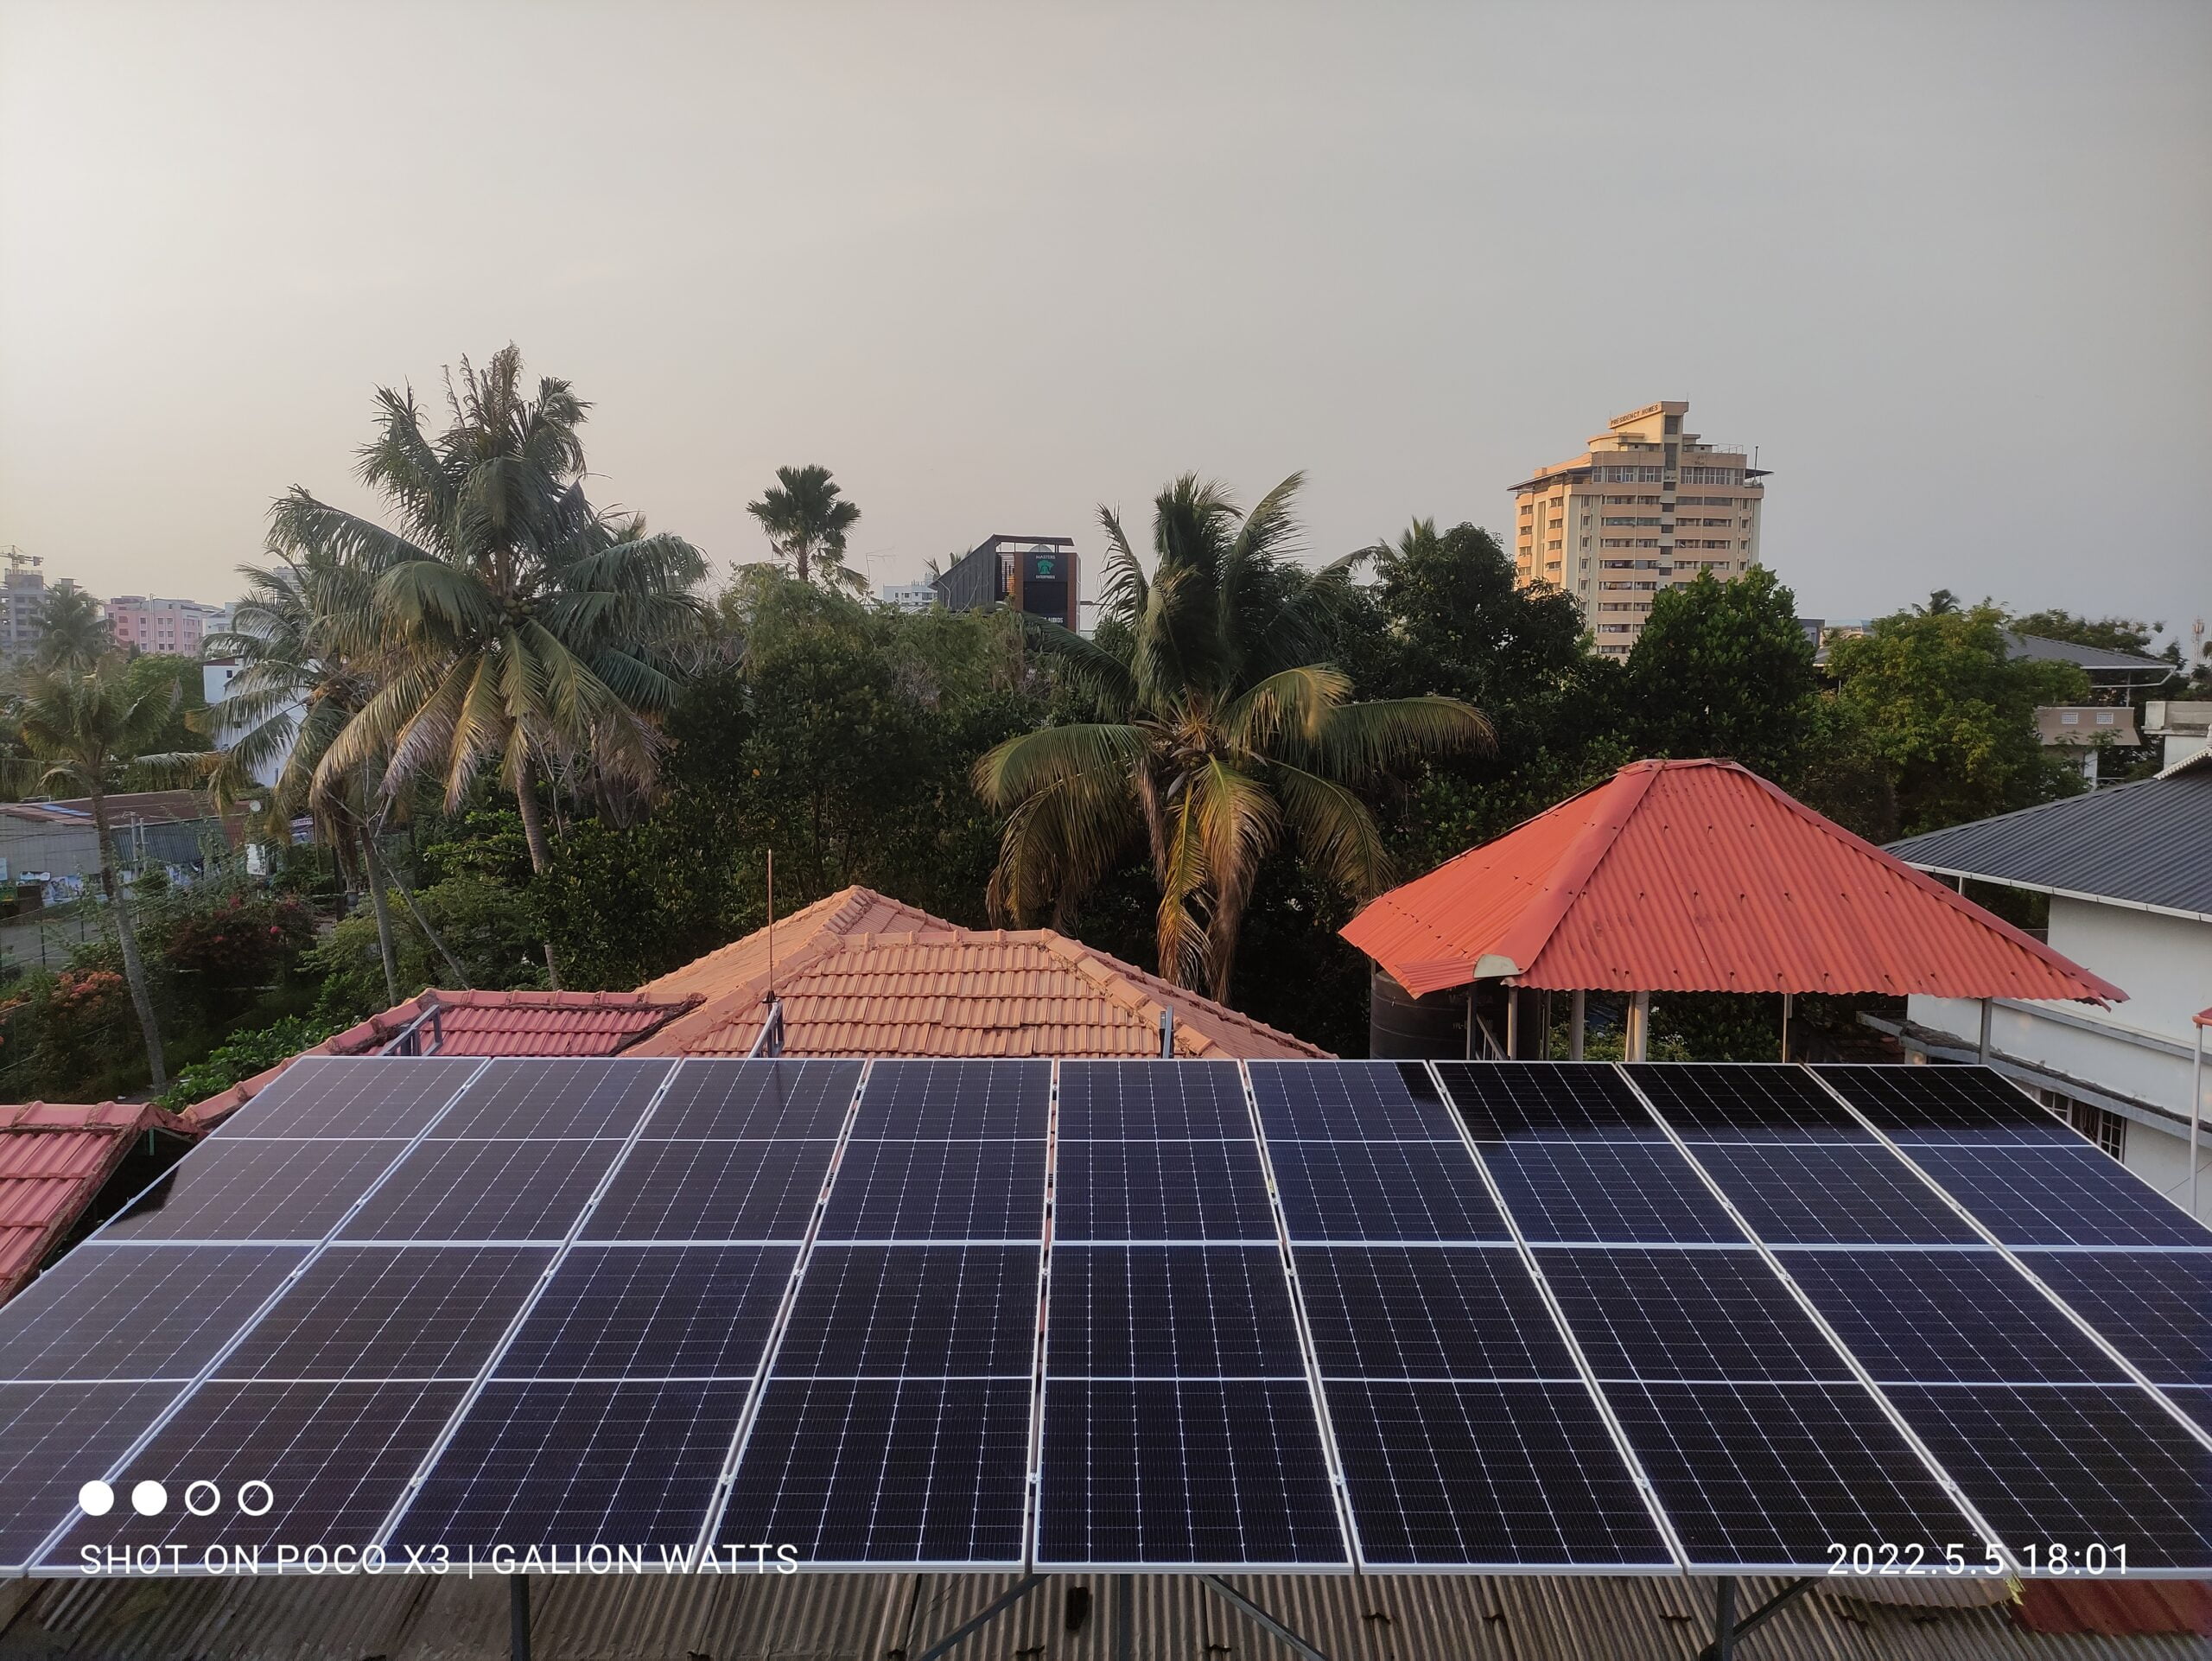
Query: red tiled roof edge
<point>93,1139</point>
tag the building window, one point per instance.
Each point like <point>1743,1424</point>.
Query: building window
<point>2100,1125</point>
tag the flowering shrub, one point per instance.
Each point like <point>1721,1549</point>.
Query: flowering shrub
<point>243,940</point>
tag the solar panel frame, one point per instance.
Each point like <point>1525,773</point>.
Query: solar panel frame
<point>1745,1101</point>
<point>1511,1101</point>
<point>1606,1192</point>
<point>152,1325</point>
<point>2154,1307</point>
<point>2073,1196</point>
<point>316,1097</point>
<point>1971,1106</point>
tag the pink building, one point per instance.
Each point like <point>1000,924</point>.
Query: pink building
<point>175,627</point>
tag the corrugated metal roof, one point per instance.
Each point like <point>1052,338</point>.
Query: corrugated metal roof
<point>876,1617</point>
<point>861,974</point>
<point>2090,658</point>
<point>2147,843</point>
<point>53,1159</point>
<point>1699,876</point>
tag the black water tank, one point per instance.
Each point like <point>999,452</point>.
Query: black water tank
<point>1403,1028</point>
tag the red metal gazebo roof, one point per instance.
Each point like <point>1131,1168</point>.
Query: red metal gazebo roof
<point>1701,876</point>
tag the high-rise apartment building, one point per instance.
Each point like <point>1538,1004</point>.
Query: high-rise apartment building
<point>1646,506</point>
<point>23,604</point>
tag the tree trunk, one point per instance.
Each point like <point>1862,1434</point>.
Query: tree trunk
<point>134,969</point>
<point>380,903</point>
<point>541,856</point>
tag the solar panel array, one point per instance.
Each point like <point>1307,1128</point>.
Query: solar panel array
<point>1505,1317</point>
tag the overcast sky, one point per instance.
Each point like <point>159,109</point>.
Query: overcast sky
<point>1948,266</point>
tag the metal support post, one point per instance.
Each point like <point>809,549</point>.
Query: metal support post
<point>1726,1629</point>
<point>518,1616</point>
<point>1988,1009</point>
<point>1577,1009</point>
<point>1785,1026</point>
<point>1005,1601</point>
<point>1512,1023</point>
<point>1260,1617</point>
<point>1639,1026</point>
<point>2195,1113</point>
<point>1471,1021</point>
<point>1125,1618</point>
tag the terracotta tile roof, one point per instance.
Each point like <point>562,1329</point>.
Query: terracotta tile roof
<point>1701,876</point>
<point>862,974</point>
<point>53,1158</point>
<point>487,1023</point>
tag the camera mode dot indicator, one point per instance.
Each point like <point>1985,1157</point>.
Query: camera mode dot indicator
<point>96,1499</point>
<point>149,1499</point>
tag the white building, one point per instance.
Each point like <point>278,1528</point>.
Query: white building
<point>2128,872</point>
<point>908,597</point>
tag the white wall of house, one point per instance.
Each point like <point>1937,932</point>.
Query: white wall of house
<point>2139,1050</point>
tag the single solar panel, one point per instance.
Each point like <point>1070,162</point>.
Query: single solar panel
<point>1184,1473</point>
<point>1427,1311</point>
<point>377,1312</point>
<point>1734,1101</point>
<point>744,1101</point>
<point>128,1311</point>
<point>1161,1191</point>
<point>1606,1190</point>
<point>2196,1400</point>
<point>1774,1476</point>
<point>1948,1317</point>
<point>1351,1101</point>
<point>53,1439</point>
<point>239,1189</point>
<point>506,1191</point>
<point>347,1096</point>
<point>1143,1101</point>
<point>878,1472</point>
<point>568,1097</point>
<point>2155,1307</point>
<point>713,1191</point>
<point>1176,1311</point>
<point>937,1191</point>
<point>1483,1475</point>
<point>908,1310</point>
<point>576,1465</point>
<point>1973,1106</point>
<point>1642,1316</point>
<point>1511,1100</point>
<point>2067,1196</point>
<point>647,1311</point>
<point>2073,1466</point>
<point>921,1100</point>
<point>1384,1190</point>
<point>1818,1194</point>
<point>335,1456</point>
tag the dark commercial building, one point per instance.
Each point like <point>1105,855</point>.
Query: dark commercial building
<point>1036,575</point>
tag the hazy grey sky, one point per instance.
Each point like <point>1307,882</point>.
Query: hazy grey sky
<point>1949,266</point>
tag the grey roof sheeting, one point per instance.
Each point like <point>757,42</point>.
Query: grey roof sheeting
<point>2147,843</point>
<point>875,1618</point>
<point>2090,658</point>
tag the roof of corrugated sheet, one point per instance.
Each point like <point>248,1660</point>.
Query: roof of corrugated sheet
<point>53,1158</point>
<point>1699,876</point>
<point>861,974</point>
<point>865,1618</point>
<point>2086,656</point>
<point>2146,844</point>
<point>487,1023</point>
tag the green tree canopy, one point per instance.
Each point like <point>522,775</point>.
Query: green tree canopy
<point>806,517</point>
<point>1723,670</point>
<point>71,629</point>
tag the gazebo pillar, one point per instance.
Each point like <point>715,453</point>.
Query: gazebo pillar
<point>1639,1026</point>
<point>1575,1009</point>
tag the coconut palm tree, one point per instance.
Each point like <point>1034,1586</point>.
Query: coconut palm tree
<point>518,626</point>
<point>1219,731</point>
<point>71,630</point>
<point>88,732</point>
<point>806,517</point>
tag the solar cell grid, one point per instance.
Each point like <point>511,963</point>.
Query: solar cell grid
<point>1185,1472</point>
<point>136,1311</point>
<point>745,1101</point>
<point>2069,1196</point>
<point>919,1190</point>
<point>1662,1314</point>
<point>2155,1307</point>
<point>2196,1400</point>
<point>913,1311</point>
<point>1356,1101</point>
<point>1383,1191</point>
<point>1943,1317</point>
<point>241,1189</point>
<point>955,1099</point>
<point>1487,1475</point>
<point>1511,1100</point>
<point>375,1312</point>
<point>1971,1105</point>
<point>1161,1191</point>
<point>1832,1194</point>
<point>568,1097</point>
<point>1597,1191</point>
<point>1183,1311</point>
<point>1773,1475</point>
<point>695,1190</point>
<point>883,1471</point>
<point>54,1438</point>
<point>576,1465</point>
<point>1735,1101</point>
<point>642,1312</point>
<point>486,1191</point>
<point>1146,1101</point>
<point>2073,1466</point>
<point>1428,1312</point>
<point>338,1096</point>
